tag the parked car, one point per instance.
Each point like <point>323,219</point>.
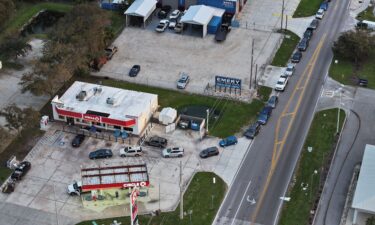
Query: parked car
<point>314,24</point>
<point>281,84</point>
<point>173,152</point>
<point>21,170</point>
<point>78,139</point>
<point>289,71</point>
<point>131,151</point>
<point>231,140</point>
<point>324,6</point>
<point>296,57</point>
<point>172,23</point>
<point>272,102</point>
<point>157,141</point>
<point>163,24</point>
<point>183,81</point>
<point>110,51</point>
<point>208,152</point>
<point>163,13</point>
<point>253,130</point>
<point>134,70</point>
<point>184,124</point>
<point>308,33</point>
<point>97,63</point>
<point>303,44</point>
<point>179,27</point>
<point>319,14</point>
<point>101,153</point>
<point>267,110</point>
<point>175,14</point>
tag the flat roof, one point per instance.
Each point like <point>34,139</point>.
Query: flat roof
<point>364,195</point>
<point>122,176</point>
<point>126,103</point>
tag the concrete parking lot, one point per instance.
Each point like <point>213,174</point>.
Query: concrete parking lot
<point>163,56</point>
<point>55,164</point>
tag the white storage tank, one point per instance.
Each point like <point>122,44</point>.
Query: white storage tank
<point>167,115</point>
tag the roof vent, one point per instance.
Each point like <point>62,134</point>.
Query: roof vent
<point>97,90</point>
<point>111,101</point>
<point>81,95</point>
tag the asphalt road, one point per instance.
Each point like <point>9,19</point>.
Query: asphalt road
<point>254,196</point>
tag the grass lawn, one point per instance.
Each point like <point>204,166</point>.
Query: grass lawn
<point>367,14</point>
<point>321,139</point>
<point>197,198</point>
<point>343,71</point>
<point>307,8</point>
<point>235,114</point>
<point>4,174</point>
<point>286,49</point>
<point>264,93</point>
<point>26,11</point>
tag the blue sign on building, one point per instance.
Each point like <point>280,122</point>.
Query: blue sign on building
<point>229,82</point>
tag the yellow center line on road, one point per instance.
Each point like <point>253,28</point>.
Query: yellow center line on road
<point>288,114</point>
<point>277,151</point>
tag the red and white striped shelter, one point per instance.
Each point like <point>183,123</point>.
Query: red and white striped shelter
<point>99,178</point>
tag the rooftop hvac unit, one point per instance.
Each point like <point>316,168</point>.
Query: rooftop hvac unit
<point>81,95</point>
<point>111,101</point>
<point>97,90</point>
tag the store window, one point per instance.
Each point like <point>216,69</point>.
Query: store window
<point>128,129</point>
<point>62,117</point>
<point>117,127</point>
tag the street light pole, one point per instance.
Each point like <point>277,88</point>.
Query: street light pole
<point>208,114</point>
<point>338,114</point>
<point>311,183</point>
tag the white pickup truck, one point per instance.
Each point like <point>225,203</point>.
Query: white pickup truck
<point>75,188</point>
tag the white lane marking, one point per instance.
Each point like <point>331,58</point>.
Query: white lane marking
<point>230,186</point>
<point>239,206</point>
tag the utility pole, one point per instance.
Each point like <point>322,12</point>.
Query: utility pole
<point>282,16</point>
<point>286,22</point>
<point>256,73</point>
<point>252,62</point>
<point>181,195</point>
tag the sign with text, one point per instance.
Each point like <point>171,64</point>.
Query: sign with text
<point>229,82</point>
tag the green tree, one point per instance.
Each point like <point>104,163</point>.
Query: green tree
<point>18,118</point>
<point>6,10</point>
<point>77,38</point>
<point>11,48</point>
<point>354,45</point>
<point>370,221</point>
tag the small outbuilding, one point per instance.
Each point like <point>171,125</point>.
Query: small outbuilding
<point>364,195</point>
<point>167,115</point>
<point>201,15</point>
<point>139,12</point>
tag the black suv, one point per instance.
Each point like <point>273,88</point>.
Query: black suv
<point>211,151</point>
<point>304,43</point>
<point>308,33</point>
<point>157,142</point>
<point>252,131</point>
<point>101,153</point>
<point>77,141</point>
<point>21,170</point>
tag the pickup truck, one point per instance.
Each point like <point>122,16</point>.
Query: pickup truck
<point>75,188</point>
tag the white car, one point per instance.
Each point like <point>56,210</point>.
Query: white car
<point>172,23</point>
<point>183,81</point>
<point>281,83</point>
<point>163,24</point>
<point>75,188</point>
<point>131,151</point>
<point>319,14</point>
<point>173,152</point>
<point>175,14</point>
<point>289,71</point>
